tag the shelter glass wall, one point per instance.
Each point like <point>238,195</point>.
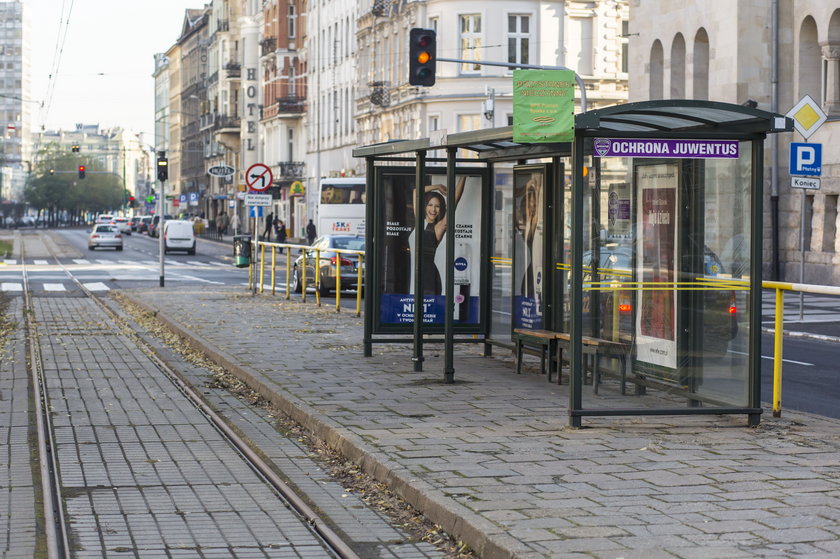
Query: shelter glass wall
<point>501,260</point>
<point>666,264</point>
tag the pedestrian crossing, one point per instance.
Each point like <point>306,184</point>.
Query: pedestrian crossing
<point>94,273</point>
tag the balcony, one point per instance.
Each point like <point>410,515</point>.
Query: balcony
<point>291,169</point>
<point>285,107</point>
<point>233,69</point>
<point>380,93</point>
<point>222,25</point>
<point>268,46</point>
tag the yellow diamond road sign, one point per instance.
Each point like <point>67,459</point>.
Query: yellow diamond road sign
<point>807,116</point>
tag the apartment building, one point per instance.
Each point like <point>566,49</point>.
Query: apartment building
<point>16,102</point>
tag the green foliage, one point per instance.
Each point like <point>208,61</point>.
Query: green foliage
<point>63,190</point>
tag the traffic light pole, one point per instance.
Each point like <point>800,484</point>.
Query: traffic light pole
<point>578,79</point>
<point>161,246</point>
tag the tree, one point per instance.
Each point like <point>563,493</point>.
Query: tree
<point>55,186</point>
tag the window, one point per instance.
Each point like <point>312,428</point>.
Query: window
<point>470,42</point>
<point>434,123</point>
<point>580,45</point>
<point>519,36</point>
<point>433,23</point>
<point>292,21</point>
<point>290,141</point>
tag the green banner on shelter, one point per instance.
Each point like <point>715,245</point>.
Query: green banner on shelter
<point>543,106</point>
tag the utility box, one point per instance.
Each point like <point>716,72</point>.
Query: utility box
<point>242,251</point>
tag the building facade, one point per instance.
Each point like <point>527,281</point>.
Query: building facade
<point>723,51</point>
<point>15,100</point>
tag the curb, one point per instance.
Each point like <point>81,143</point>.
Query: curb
<point>481,535</point>
<point>804,335</point>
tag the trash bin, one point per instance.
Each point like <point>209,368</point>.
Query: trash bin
<point>242,251</point>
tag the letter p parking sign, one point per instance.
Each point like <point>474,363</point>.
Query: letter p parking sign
<point>805,159</point>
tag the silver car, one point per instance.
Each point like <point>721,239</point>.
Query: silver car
<point>105,235</point>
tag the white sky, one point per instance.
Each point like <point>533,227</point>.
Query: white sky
<point>105,74</point>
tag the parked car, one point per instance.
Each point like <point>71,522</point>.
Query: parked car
<point>143,226</point>
<point>105,235</point>
<point>348,263</point>
<point>178,234</point>
<point>720,320</point>
<point>153,225</point>
<point>123,224</point>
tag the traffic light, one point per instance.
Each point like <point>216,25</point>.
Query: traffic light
<point>422,56</point>
<point>81,171</point>
<point>162,166</point>
<point>52,171</point>
<point>75,148</point>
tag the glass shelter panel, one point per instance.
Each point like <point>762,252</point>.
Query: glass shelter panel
<point>666,264</point>
<point>501,260</point>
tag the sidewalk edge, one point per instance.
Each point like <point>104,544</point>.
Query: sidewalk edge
<point>480,534</point>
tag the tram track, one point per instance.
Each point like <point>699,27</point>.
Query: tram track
<point>57,532</point>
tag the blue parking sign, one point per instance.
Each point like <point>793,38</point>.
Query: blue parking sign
<point>255,211</point>
<point>805,159</point>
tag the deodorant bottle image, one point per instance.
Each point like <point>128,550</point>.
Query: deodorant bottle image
<point>461,277</point>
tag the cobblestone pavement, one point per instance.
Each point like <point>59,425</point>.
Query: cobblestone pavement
<point>492,460</point>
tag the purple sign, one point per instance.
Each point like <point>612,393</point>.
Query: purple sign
<point>695,149</point>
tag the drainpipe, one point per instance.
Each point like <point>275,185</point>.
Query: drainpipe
<point>774,138</point>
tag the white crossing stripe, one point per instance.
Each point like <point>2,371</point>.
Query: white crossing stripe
<point>54,287</point>
<point>41,263</point>
<point>216,263</point>
<point>81,261</point>
<point>96,286</point>
<point>8,286</point>
<point>9,262</point>
<point>197,263</point>
<point>102,261</point>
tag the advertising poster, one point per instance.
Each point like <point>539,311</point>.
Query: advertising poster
<point>528,265</point>
<point>657,264</point>
<point>543,106</point>
<point>396,304</point>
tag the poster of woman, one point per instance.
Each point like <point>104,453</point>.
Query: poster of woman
<point>400,236</point>
<point>528,266</point>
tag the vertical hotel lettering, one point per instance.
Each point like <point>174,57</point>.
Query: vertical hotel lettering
<point>252,112</point>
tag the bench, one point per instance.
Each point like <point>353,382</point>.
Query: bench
<point>594,349</point>
<point>538,342</point>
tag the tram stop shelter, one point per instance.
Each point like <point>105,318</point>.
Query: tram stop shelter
<point>628,260</point>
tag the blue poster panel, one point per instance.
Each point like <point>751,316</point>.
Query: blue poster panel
<point>399,233</point>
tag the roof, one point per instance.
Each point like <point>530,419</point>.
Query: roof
<point>666,118</point>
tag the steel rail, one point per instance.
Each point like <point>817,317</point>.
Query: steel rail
<point>331,540</point>
<point>55,526</point>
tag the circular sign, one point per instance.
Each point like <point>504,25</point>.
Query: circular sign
<point>221,171</point>
<point>460,263</point>
<point>258,177</point>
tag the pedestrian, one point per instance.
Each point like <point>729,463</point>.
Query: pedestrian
<point>222,223</point>
<point>310,232</point>
<point>269,223</point>
<point>234,223</point>
<point>280,232</point>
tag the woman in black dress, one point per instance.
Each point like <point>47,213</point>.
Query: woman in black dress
<point>434,211</point>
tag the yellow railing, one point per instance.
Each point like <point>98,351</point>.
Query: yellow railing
<point>305,253</point>
<point>778,330</point>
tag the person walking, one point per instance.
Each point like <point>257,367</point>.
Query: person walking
<point>269,223</point>
<point>280,233</point>
<point>310,232</point>
<point>234,222</point>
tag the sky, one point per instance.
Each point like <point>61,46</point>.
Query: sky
<point>105,71</point>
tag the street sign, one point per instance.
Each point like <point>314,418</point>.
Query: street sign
<point>221,171</point>
<point>258,177</point>
<point>806,183</point>
<point>255,211</point>
<point>805,159</point>
<point>193,198</point>
<point>807,116</point>
<point>258,200</point>
<point>296,189</point>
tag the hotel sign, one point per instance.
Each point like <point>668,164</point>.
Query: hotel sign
<point>671,149</point>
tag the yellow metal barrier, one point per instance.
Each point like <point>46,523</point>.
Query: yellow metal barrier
<point>261,245</point>
<point>780,288</point>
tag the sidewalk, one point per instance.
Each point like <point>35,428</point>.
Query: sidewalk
<point>491,459</point>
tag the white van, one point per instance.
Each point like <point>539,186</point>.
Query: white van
<point>178,234</point>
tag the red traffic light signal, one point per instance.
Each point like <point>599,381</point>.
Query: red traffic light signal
<point>422,56</point>
<point>81,171</point>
